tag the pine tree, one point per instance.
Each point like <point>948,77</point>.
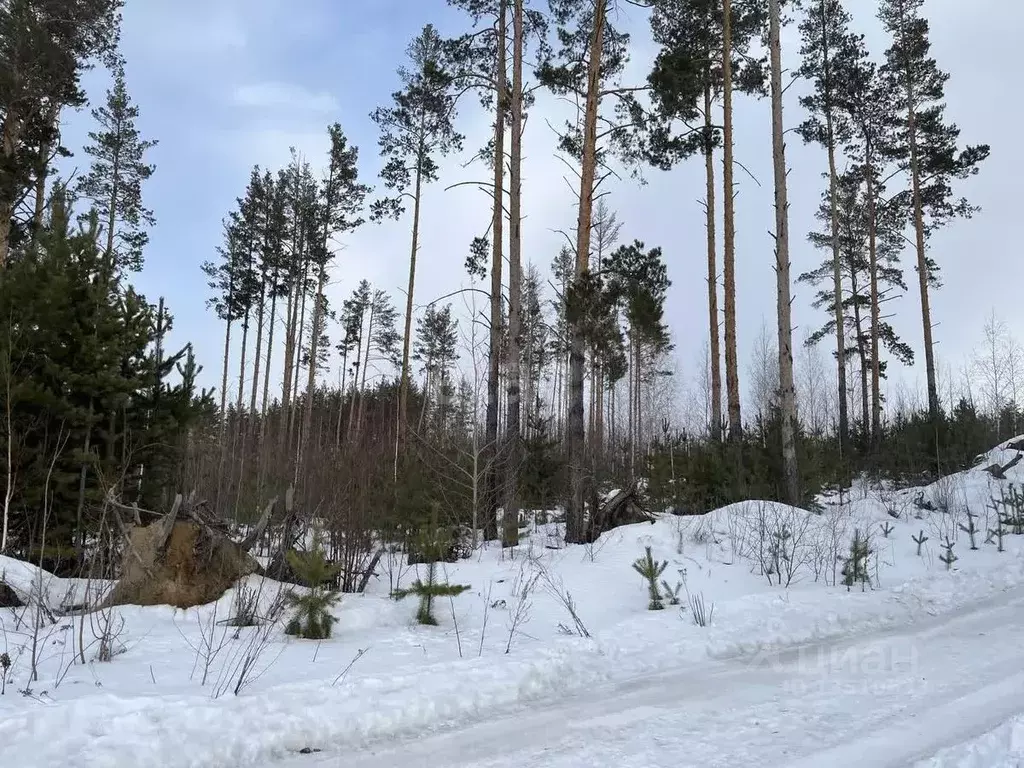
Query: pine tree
<point>44,49</point>
<point>926,147</point>
<point>339,209</point>
<point>591,56</point>
<point>415,130</point>
<point>639,284</point>
<point>436,347</point>
<point>831,55</point>
<point>687,79</point>
<point>114,183</point>
<point>313,619</point>
<point>853,216</point>
<point>787,386</point>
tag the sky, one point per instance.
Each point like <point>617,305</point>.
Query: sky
<point>227,84</point>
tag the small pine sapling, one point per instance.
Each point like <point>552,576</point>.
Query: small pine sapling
<point>996,534</point>
<point>1012,502</point>
<point>948,557</point>
<point>427,591</point>
<point>887,528</point>
<point>920,539</point>
<point>313,619</point>
<point>651,570</point>
<point>855,567</point>
<point>971,529</point>
<point>670,594</point>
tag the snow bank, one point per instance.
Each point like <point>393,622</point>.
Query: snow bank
<point>999,748</point>
<point>148,708</point>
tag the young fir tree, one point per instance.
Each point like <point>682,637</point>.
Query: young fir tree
<point>415,130</point>
<point>586,66</point>
<point>44,49</point>
<point>926,146</point>
<point>687,80</point>
<point>831,53</point>
<point>114,183</point>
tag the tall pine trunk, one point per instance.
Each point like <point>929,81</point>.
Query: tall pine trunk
<point>732,375</point>
<point>513,427</point>
<point>257,357</point>
<point>492,482</point>
<point>876,310</point>
<point>837,270</point>
<point>314,343</point>
<point>922,264</point>
<point>786,385</point>
<point>403,390</point>
<point>713,330</point>
<point>575,529</point>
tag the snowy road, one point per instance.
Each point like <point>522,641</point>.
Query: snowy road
<point>888,699</point>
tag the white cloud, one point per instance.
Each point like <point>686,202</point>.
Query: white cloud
<point>277,95</point>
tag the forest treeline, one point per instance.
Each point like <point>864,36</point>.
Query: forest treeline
<point>557,384</point>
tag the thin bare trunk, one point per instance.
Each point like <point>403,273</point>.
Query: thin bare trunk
<point>922,263</point>
<point>270,346</point>
<point>403,390</point>
<point>732,376</point>
<point>786,385</point>
<point>716,352</point>
<point>876,312</point>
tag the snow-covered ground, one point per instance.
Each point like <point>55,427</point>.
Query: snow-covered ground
<point>382,679</point>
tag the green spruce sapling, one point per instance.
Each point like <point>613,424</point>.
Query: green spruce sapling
<point>919,540</point>
<point>651,570</point>
<point>971,529</point>
<point>313,619</point>
<point>948,557</point>
<point>855,567</point>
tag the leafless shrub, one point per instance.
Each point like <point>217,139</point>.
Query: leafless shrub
<point>700,611</point>
<point>522,591</point>
<point>245,606</point>
<point>213,638</point>
<point>556,587</point>
<point>341,675</point>
<point>780,540</point>
<point>242,667</point>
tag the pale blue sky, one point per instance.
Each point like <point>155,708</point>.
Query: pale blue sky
<point>225,84</point>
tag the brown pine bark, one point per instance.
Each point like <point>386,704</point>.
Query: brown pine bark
<point>876,311</point>
<point>716,350</point>
<point>785,323</point>
<point>513,427</point>
<point>922,260</point>
<point>575,529</point>
<point>492,480</point>
<point>732,375</point>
